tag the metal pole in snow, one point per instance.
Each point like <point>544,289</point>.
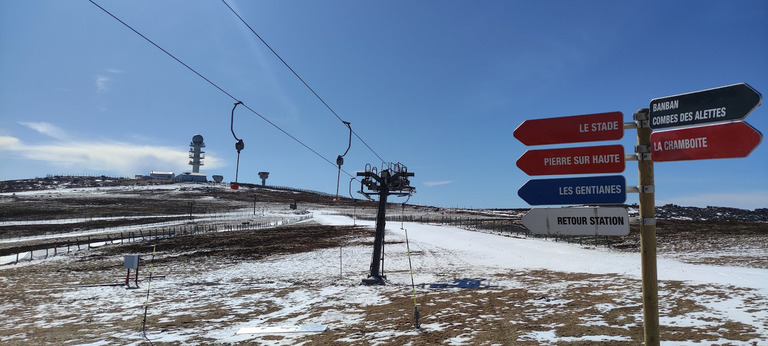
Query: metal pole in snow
<point>402,216</point>
<point>146,303</point>
<point>413,284</point>
<point>341,270</point>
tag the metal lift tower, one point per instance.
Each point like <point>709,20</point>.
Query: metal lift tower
<point>391,181</point>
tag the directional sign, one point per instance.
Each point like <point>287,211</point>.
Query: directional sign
<point>726,103</point>
<point>718,141</point>
<point>582,160</point>
<point>587,190</point>
<point>578,221</point>
<point>572,129</point>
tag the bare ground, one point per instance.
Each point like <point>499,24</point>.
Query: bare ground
<point>546,303</point>
<point>541,302</point>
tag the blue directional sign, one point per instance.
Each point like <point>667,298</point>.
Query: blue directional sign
<point>586,190</point>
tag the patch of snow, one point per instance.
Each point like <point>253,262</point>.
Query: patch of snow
<point>323,287</point>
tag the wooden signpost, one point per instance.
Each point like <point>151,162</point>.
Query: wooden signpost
<point>716,133</point>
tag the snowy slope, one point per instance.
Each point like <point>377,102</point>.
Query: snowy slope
<point>322,287</point>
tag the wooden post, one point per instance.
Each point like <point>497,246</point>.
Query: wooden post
<point>647,230</point>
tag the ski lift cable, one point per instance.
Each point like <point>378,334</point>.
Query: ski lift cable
<point>295,139</point>
<point>162,49</point>
<point>215,85</point>
<point>300,79</point>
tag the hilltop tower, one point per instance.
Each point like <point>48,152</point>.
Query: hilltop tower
<point>263,176</point>
<point>196,155</point>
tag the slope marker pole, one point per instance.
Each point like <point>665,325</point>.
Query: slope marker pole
<point>413,284</point>
<point>146,303</point>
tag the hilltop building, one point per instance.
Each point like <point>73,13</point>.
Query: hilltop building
<point>161,175</point>
<point>196,156</point>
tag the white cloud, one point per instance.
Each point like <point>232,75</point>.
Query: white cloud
<point>101,83</point>
<point>113,156</point>
<point>47,129</point>
<point>102,80</point>
<point>436,183</point>
<point>8,143</point>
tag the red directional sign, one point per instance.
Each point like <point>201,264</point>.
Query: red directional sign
<point>572,129</point>
<point>720,141</point>
<point>582,160</point>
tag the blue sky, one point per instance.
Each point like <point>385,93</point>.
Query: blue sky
<point>436,85</point>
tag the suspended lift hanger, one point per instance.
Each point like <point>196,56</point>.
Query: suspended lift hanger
<point>366,181</point>
<point>350,190</point>
<point>239,145</point>
<point>340,160</point>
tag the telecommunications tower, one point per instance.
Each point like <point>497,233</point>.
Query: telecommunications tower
<point>196,155</point>
<point>263,176</point>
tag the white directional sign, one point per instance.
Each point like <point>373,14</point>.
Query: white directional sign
<point>578,221</point>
